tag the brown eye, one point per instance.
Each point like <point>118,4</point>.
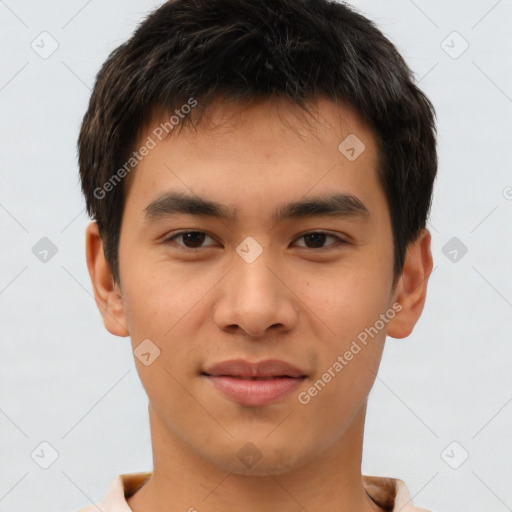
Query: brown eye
<point>190,239</point>
<point>316,240</point>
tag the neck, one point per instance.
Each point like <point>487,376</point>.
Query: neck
<point>184,481</point>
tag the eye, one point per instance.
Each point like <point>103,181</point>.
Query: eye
<point>317,239</point>
<point>195,239</point>
<point>191,239</point>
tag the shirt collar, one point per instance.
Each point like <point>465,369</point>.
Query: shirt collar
<point>389,493</point>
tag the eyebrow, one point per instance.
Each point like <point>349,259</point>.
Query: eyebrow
<point>335,205</point>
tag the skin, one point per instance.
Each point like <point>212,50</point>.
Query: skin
<point>297,302</point>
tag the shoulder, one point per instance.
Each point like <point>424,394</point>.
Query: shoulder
<point>122,487</point>
<point>390,493</point>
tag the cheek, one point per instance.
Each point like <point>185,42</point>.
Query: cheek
<point>347,309</point>
<point>158,313</point>
<point>349,357</point>
<point>346,299</point>
<point>162,308</point>
<point>154,300</point>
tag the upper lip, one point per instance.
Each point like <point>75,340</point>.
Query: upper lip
<point>242,368</point>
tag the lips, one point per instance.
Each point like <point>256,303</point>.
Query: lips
<point>262,370</point>
<point>254,384</point>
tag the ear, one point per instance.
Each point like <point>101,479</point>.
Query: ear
<point>411,289</point>
<point>106,293</point>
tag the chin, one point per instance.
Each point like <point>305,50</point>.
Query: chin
<point>260,461</point>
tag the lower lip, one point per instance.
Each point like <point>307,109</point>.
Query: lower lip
<point>255,392</point>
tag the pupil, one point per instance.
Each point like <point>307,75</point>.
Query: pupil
<point>190,237</point>
<point>317,237</point>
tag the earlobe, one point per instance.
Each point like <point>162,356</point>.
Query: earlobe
<point>411,289</point>
<point>106,292</point>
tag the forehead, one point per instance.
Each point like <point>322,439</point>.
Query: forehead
<point>259,152</point>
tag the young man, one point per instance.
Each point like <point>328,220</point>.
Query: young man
<point>259,174</point>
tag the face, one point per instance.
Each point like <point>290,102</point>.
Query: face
<point>310,289</point>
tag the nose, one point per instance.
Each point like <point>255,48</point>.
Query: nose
<point>257,297</point>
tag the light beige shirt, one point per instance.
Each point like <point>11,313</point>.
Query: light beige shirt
<point>389,493</point>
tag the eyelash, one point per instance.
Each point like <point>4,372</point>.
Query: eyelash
<point>339,241</point>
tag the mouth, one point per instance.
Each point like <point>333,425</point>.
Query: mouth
<point>254,384</point>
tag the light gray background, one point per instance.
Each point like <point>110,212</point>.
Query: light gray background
<point>65,380</point>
